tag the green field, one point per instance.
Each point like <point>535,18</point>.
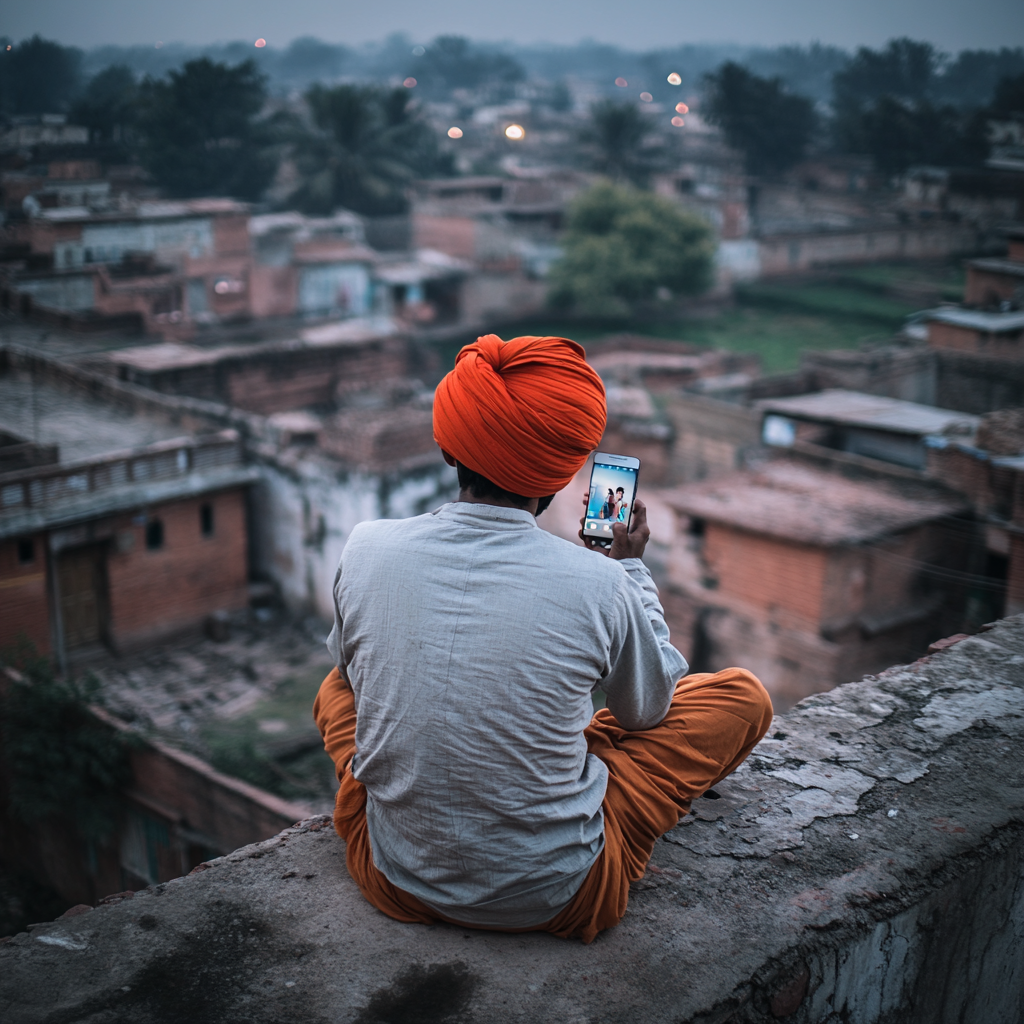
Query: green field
<point>779,319</point>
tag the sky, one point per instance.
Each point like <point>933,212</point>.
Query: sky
<point>639,24</point>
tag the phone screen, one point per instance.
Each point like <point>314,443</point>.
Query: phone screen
<point>612,491</point>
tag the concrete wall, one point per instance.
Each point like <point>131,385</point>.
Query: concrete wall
<point>865,866</point>
<point>711,436</point>
<point>301,520</point>
<point>789,254</point>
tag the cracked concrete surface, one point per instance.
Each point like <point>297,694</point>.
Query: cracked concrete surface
<point>865,865</point>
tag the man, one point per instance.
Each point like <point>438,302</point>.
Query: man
<point>474,786</point>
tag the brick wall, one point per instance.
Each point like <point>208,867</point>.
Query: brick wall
<point>986,287</point>
<point>1005,345</point>
<point>455,236</point>
<point>776,576</point>
<point>156,593</point>
<point>24,609</point>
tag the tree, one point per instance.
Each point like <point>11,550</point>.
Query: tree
<point>618,138</point>
<point>39,77</point>
<point>768,125</point>
<point>201,132</point>
<point>898,135</point>
<point>108,107</point>
<point>905,71</point>
<point>369,143</point>
<point>1008,100</point>
<point>623,245</point>
<point>452,62</point>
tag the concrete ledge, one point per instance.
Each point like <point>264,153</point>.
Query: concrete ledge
<point>866,865</point>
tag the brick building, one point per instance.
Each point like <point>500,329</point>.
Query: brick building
<point>809,578</point>
<point>123,531</point>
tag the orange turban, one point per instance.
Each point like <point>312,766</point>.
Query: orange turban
<point>524,413</point>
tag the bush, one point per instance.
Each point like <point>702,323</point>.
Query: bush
<point>63,761</point>
<point>622,246</point>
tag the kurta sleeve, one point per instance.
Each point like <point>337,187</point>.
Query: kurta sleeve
<point>643,666</point>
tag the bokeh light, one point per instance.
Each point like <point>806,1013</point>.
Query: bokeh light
<point>646,97</point>
<point>260,43</point>
<point>454,133</point>
<point>682,108</point>
<point>515,132</point>
<point>675,79</point>
<point>410,83</point>
<point>418,51</point>
<point>678,121</point>
<point>621,83</point>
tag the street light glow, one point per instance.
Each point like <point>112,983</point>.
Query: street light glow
<point>410,83</point>
<point>515,132</point>
<point>621,83</point>
<point>678,121</point>
<point>260,43</point>
<point>675,79</point>
<point>454,133</point>
<point>646,97</point>
<point>682,108</point>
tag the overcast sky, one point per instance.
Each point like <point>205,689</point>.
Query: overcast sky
<point>635,24</point>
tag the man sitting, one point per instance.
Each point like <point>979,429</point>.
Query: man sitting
<point>476,786</point>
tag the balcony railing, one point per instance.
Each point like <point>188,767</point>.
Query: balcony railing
<point>44,487</point>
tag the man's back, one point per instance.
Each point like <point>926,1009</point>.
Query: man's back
<point>472,640</point>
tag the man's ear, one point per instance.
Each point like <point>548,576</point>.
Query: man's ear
<point>448,458</point>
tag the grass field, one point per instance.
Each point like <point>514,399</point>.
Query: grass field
<point>779,319</point>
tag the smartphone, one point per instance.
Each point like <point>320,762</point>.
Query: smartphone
<point>612,493</point>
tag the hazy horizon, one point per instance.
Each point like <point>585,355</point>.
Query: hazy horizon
<point>951,25</point>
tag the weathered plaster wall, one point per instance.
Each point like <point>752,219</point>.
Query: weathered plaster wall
<point>866,865</point>
<point>302,518</point>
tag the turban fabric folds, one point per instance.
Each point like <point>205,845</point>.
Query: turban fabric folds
<point>524,413</point>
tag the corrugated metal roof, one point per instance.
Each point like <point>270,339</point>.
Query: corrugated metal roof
<point>855,408</point>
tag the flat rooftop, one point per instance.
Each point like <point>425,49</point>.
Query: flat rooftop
<point>999,266</point>
<point>81,427</point>
<point>975,320</point>
<point>809,506</point>
<point>855,409</point>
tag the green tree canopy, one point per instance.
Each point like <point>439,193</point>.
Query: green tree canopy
<point>623,245</point>
<point>768,125</point>
<point>618,139</point>
<point>38,76</point>
<point>1008,100</point>
<point>108,106</point>
<point>201,131</point>
<point>368,145</point>
<point>453,62</point>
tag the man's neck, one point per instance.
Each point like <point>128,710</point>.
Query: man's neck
<point>467,497</point>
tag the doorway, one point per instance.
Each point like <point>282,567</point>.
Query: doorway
<point>81,587</point>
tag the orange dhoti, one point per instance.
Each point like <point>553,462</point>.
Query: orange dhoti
<point>713,723</point>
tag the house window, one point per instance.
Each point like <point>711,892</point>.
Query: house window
<point>155,534</point>
<point>26,552</point>
<point>206,519</point>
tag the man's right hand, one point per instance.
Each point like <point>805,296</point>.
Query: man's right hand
<point>625,543</point>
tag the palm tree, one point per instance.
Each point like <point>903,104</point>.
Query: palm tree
<point>618,138</point>
<point>366,146</point>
